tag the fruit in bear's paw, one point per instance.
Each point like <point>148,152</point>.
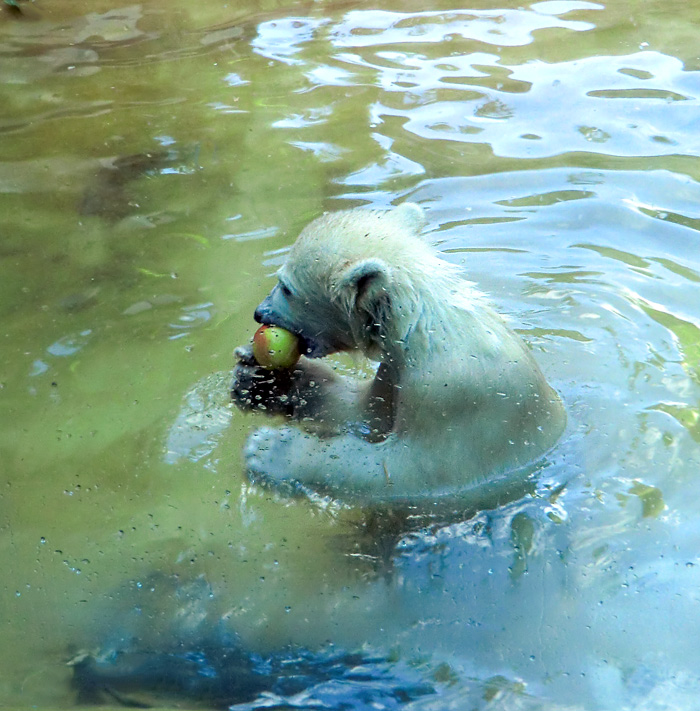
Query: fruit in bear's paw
<point>275,347</point>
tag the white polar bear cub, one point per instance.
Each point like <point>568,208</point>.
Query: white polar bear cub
<point>458,405</point>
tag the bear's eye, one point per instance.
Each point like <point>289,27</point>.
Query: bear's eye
<point>286,291</point>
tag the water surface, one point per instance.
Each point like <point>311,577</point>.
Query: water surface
<point>157,159</point>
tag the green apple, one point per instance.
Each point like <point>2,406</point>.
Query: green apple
<point>275,347</point>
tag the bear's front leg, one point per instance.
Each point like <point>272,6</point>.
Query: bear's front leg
<point>309,393</point>
<point>347,466</point>
<point>270,453</point>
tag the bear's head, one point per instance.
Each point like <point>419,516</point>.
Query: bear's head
<point>345,277</point>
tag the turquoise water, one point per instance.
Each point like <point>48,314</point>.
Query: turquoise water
<point>555,149</point>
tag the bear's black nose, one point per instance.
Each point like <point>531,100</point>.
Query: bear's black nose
<point>263,314</point>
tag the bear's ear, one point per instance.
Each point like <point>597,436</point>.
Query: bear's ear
<point>363,284</point>
<point>410,216</point>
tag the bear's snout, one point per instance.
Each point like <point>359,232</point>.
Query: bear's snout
<point>263,314</point>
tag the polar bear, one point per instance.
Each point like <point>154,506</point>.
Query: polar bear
<point>458,407</point>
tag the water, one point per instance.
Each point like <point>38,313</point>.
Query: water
<point>555,149</point>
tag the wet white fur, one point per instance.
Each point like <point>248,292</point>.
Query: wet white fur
<point>470,406</point>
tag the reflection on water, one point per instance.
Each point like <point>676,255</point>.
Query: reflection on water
<point>156,163</point>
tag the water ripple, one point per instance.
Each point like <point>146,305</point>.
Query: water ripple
<point>501,27</point>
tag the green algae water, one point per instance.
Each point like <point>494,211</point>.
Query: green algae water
<point>157,160</point>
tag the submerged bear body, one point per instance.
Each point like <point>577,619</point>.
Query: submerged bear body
<point>458,410</point>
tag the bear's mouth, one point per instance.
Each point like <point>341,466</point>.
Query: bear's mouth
<point>312,348</point>
<point>309,346</point>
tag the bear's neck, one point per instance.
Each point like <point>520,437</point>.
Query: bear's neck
<point>425,316</point>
